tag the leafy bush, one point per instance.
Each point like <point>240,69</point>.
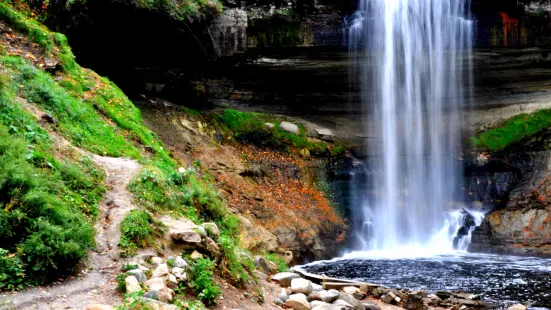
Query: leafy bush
<point>12,274</point>
<point>203,281</point>
<point>138,230</point>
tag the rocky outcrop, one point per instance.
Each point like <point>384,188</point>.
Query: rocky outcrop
<point>522,223</point>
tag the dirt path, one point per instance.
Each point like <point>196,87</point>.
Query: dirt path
<point>95,281</point>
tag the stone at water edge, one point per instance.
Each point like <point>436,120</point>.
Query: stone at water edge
<point>517,307</point>
<point>329,296</point>
<point>139,274</point>
<point>132,284</point>
<point>297,304</point>
<point>301,286</point>
<point>289,127</point>
<point>343,304</point>
<point>160,271</point>
<point>284,278</point>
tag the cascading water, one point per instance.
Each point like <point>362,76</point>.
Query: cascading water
<point>414,61</point>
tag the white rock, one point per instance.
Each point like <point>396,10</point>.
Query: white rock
<point>155,284</point>
<point>172,281</point>
<point>317,287</point>
<point>301,286</point>
<point>317,303</point>
<point>132,284</point>
<point>181,263</point>
<point>139,274</point>
<point>160,271</point>
<point>180,274</point>
<point>351,290</point>
<point>289,127</point>
<point>517,307</point>
<point>297,304</point>
<point>156,261</point>
<point>284,278</point>
<point>324,132</point>
<point>269,126</point>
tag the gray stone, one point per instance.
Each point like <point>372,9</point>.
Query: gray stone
<point>165,295</point>
<point>200,230</point>
<point>301,286</point>
<point>317,303</point>
<point>188,237</point>
<point>139,274</point>
<point>212,247</point>
<point>156,261</point>
<point>132,284</point>
<point>260,263</point>
<point>283,295</point>
<point>389,298</point>
<point>160,271</point>
<point>212,230</point>
<point>352,301</point>
<point>314,296</point>
<point>181,263</point>
<point>289,127</point>
<point>172,282</point>
<point>155,284</point>
<point>284,278</point>
<point>317,287</point>
<point>151,294</point>
<point>180,274</point>
<point>343,305</point>
<point>329,296</point>
<point>279,302</point>
<point>298,296</point>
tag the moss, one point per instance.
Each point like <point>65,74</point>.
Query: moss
<point>513,131</point>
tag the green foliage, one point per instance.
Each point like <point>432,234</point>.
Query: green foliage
<point>203,281</point>
<point>12,274</point>
<point>121,282</point>
<point>128,267</point>
<point>138,230</point>
<point>513,131</point>
<point>42,230</point>
<point>279,261</point>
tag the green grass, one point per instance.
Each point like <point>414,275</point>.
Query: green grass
<point>138,230</point>
<point>513,131</point>
<point>279,261</point>
<point>203,281</point>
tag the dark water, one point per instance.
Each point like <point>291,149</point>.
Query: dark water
<point>505,279</point>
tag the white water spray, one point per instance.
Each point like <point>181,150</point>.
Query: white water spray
<point>414,59</point>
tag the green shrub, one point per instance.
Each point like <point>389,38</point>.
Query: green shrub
<point>203,282</point>
<point>139,229</point>
<point>12,274</point>
<point>121,282</point>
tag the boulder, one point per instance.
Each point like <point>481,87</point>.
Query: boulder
<point>289,127</point>
<point>160,271</point>
<point>372,307</point>
<point>151,294</point>
<point>324,134</point>
<point>172,282</point>
<point>138,274</point>
<point>189,237</point>
<point>297,303</point>
<point>165,295</point>
<point>314,296</point>
<point>317,287</point>
<point>301,286</point>
<point>181,263</point>
<point>261,264</point>
<point>343,304</point>
<point>279,302</point>
<point>284,278</point>
<point>329,296</point>
<point>283,295</point>
<point>155,284</point>
<point>180,274</point>
<point>132,284</point>
<point>212,230</point>
<point>356,304</point>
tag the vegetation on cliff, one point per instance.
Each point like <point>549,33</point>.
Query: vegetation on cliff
<point>49,199</point>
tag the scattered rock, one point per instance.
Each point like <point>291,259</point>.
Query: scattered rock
<point>352,301</point>
<point>160,271</point>
<point>372,306</point>
<point>317,287</point>
<point>415,302</point>
<point>268,126</point>
<point>314,296</point>
<point>181,263</point>
<point>151,294</point>
<point>317,303</point>
<point>283,295</point>
<point>301,286</point>
<point>260,263</point>
<point>343,304</point>
<point>156,261</point>
<point>188,237</point>
<point>132,284</point>
<point>284,278</point>
<point>155,284</point>
<point>172,281</point>
<point>196,255</point>
<point>324,134</point>
<point>289,127</point>
<point>297,303</point>
<point>180,274</point>
<point>212,247</point>
<point>165,295</point>
<point>279,302</point>
<point>138,274</point>
<point>212,230</point>
<point>329,296</point>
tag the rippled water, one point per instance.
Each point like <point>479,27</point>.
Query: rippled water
<point>505,279</point>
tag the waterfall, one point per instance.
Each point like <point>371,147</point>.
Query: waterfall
<point>413,64</point>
